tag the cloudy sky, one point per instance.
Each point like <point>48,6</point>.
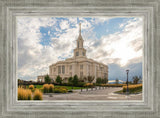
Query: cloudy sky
<point>116,41</point>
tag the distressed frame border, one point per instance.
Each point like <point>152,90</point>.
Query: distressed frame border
<point>148,107</point>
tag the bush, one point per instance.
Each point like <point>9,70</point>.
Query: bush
<point>37,95</point>
<point>46,88</point>
<point>113,85</point>
<point>31,87</point>
<point>24,94</point>
<point>80,84</point>
<point>51,87</point>
<point>89,85</point>
<point>132,88</point>
<point>60,90</point>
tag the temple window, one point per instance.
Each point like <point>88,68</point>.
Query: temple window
<point>63,69</point>
<point>83,54</point>
<point>77,53</point>
<point>59,69</point>
<point>81,66</point>
<point>70,67</point>
<point>81,74</point>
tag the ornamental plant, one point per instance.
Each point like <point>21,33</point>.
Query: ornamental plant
<point>132,88</point>
<point>89,85</point>
<point>24,94</point>
<point>31,87</point>
<point>37,95</point>
<point>51,87</point>
<point>46,88</point>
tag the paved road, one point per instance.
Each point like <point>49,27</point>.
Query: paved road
<point>102,94</point>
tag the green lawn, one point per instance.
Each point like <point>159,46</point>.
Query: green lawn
<point>68,87</point>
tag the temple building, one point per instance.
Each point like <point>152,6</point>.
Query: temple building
<point>78,65</point>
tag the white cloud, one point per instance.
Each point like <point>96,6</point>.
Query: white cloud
<point>64,24</point>
<point>120,48</point>
<point>34,59</point>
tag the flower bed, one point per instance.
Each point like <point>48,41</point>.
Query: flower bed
<point>113,85</point>
<point>60,90</point>
<point>132,88</point>
<point>89,85</point>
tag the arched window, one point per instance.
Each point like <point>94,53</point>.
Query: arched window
<point>83,54</point>
<point>78,44</point>
<point>77,53</point>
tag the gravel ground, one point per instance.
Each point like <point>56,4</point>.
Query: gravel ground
<point>99,94</point>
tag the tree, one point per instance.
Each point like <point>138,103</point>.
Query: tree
<point>117,81</point>
<point>70,80</point>
<point>75,80</point>
<point>105,80</point>
<point>47,79</point>
<point>98,80</point>
<point>102,81</point>
<point>59,80</point>
<point>90,79</point>
<point>136,79</point>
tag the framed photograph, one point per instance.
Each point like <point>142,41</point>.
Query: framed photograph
<point>79,59</point>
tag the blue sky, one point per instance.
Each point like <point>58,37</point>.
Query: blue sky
<point>115,41</point>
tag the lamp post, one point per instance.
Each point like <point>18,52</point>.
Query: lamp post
<point>127,81</point>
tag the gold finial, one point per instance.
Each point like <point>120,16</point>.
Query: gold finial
<point>79,28</point>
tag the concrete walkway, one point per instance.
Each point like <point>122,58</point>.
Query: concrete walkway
<point>99,94</point>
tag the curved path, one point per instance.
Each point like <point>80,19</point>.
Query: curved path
<point>99,94</point>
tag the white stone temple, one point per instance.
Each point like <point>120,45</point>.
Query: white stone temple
<point>78,65</point>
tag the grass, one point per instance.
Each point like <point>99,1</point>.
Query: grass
<point>68,87</point>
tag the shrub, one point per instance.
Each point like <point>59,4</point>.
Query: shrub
<point>37,95</point>
<point>24,94</point>
<point>51,87</point>
<point>46,88</point>
<point>89,85</point>
<point>132,88</point>
<point>31,87</point>
<point>98,80</point>
<point>60,90</point>
<point>80,84</point>
<point>113,85</point>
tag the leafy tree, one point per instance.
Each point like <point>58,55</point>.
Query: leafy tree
<point>47,79</point>
<point>59,80</point>
<point>105,80</point>
<point>75,80</point>
<point>70,80</point>
<point>98,80</point>
<point>102,81</point>
<point>136,79</point>
<point>90,79</point>
<point>117,81</point>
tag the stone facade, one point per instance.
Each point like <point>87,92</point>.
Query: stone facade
<point>78,65</point>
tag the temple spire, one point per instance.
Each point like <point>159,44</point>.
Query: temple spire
<point>79,28</point>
